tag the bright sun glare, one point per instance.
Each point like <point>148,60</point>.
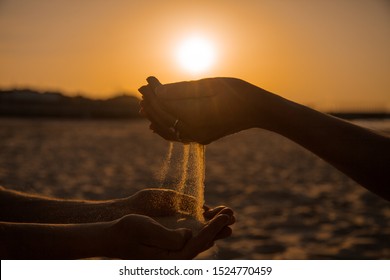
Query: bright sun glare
<point>196,54</point>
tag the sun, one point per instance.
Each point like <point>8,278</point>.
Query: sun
<point>196,54</point>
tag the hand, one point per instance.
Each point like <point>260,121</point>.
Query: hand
<point>141,237</point>
<point>206,109</point>
<point>161,203</point>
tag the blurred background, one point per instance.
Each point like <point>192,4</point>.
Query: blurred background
<point>69,124</point>
<point>289,204</point>
<point>331,55</point>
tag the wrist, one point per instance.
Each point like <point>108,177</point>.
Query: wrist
<point>267,110</point>
<point>89,240</point>
<point>120,207</point>
<point>273,112</point>
<point>104,239</point>
<point>95,239</point>
<point>115,236</point>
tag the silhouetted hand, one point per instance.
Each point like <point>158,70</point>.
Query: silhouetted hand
<point>109,230</point>
<point>162,203</point>
<point>206,109</point>
<point>141,237</point>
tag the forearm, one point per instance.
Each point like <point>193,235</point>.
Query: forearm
<point>20,207</point>
<point>360,153</point>
<point>51,241</point>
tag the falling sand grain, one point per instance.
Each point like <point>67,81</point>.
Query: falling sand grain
<point>189,174</point>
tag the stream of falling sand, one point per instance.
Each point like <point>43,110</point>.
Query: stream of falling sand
<point>165,166</point>
<point>184,169</point>
<point>189,170</point>
<point>198,169</point>
<point>190,175</point>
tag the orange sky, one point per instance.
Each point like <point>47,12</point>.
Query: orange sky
<point>327,54</point>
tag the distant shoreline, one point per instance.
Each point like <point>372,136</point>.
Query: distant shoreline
<point>361,115</point>
<point>32,104</point>
<point>126,116</point>
<point>26,103</point>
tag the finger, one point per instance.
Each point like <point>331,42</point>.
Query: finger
<point>228,212</point>
<point>144,89</point>
<point>209,233</point>
<point>163,125</point>
<point>215,211</point>
<point>212,212</point>
<point>153,82</point>
<point>224,233</point>
<point>187,90</point>
<point>159,122</point>
<point>205,237</point>
<point>166,134</point>
<point>157,113</point>
<point>141,110</point>
<point>218,211</point>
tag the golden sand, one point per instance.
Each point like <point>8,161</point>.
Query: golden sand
<point>187,170</point>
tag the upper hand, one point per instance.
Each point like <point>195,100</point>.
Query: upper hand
<point>206,109</point>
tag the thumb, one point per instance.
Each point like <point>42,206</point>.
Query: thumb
<point>153,82</point>
<point>206,236</point>
<point>169,239</point>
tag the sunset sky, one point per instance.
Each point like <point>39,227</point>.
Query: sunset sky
<point>331,55</point>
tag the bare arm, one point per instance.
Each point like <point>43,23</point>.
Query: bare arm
<point>51,241</point>
<point>360,153</point>
<point>21,207</point>
<point>208,109</point>
<point>25,208</point>
<point>131,237</point>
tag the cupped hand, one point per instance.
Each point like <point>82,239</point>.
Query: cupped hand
<point>206,109</point>
<point>158,203</point>
<point>141,237</point>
